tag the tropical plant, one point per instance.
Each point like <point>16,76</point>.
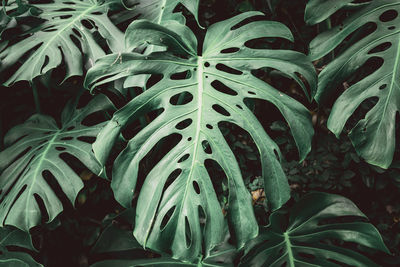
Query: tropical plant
<point>214,84</point>
<point>38,155</point>
<point>175,154</point>
<point>312,234</point>
<point>375,31</point>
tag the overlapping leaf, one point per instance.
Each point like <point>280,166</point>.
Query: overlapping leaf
<point>374,136</point>
<point>67,35</point>
<point>16,238</point>
<point>38,147</point>
<point>308,235</point>
<point>157,11</point>
<point>319,10</point>
<point>217,83</point>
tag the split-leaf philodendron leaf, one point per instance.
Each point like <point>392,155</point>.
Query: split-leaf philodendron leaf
<point>36,150</point>
<point>169,218</point>
<point>11,237</point>
<point>306,237</point>
<point>374,136</point>
<point>54,41</point>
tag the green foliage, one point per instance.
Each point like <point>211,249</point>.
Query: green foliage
<point>16,238</point>
<point>36,150</point>
<point>374,136</point>
<point>159,11</point>
<point>52,41</point>
<point>197,124</point>
<point>295,239</point>
<point>207,135</point>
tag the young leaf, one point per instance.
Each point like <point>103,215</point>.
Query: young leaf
<point>37,147</point>
<point>15,238</point>
<point>374,136</point>
<point>217,83</point>
<point>303,239</point>
<point>66,23</point>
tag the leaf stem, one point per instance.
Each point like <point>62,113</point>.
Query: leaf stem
<point>36,97</point>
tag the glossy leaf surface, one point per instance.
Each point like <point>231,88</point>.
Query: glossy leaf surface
<point>306,236</point>
<point>217,83</point>
<point>38,149</point>
<point>67,36</point>
<point>373,136</point>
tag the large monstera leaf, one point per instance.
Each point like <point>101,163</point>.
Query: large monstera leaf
<point>158,11</point>
<point>66,35</point>
<point>37,149</point>
<point>308,235</point>
<point>217,82</point>
<point>16,238</point>
<point>374,136</point>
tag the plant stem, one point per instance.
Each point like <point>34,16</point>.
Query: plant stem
<point>36,98</point>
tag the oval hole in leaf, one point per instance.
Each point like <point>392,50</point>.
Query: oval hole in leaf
<point>87,24</point>
<point>225,68</point>
<point>380,48</point>
<point>181,75</point>
<point>184,124</point>
<point>171,178</point>
<point>230,50</point>
<point>60,148</point>
<point>220,87</point>
<point>67,138</point>
<point>166,218</point>
<point>196,187</point>
<point>383,86</point>
<point>388,15</point>
<point>183,158</point>
<point>202,217</point>
<point>188,233</point>
<point>220,110</point>
<point>181,99</point>
<point>206,146</point>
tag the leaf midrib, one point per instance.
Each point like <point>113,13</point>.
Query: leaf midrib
<point>36,172</point>
<point>51,40</point>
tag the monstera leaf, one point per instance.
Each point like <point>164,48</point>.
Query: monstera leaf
<point>178,190</point>
<point>16,238</point>
<point>67,34</point>
<point>37,150</point>
<point>319,10</point>
<point>374,136</point>
<point>157,11</point>
<point>306,237</point>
